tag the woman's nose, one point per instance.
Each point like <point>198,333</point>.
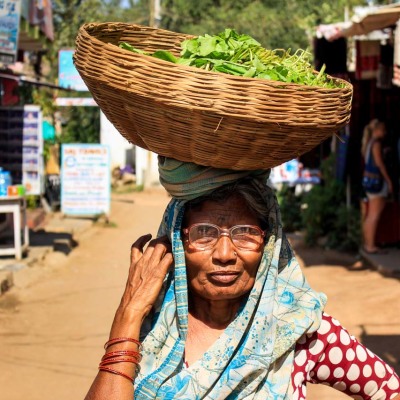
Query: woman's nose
<point>224,250</point>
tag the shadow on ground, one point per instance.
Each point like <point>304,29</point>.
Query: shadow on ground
<point>60,241</point>
<point>57,241</point>
<point>316,256</point>
<point>388,346</point>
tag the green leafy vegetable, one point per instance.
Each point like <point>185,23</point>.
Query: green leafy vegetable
<point>165,55</point>
<point>236,54</point>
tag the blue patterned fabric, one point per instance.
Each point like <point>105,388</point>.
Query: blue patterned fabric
<point>254,356</point>
<point>186,181</point>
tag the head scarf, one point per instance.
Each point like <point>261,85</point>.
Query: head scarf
<point>253,358</point>
<point>186,181</point>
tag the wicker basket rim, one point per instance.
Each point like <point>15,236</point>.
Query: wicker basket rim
<point>192,114</point>
<point>219,75</point>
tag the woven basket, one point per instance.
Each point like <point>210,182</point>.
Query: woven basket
<point>209,118</point>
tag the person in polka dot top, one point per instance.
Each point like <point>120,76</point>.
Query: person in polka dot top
<point>333,357</point>
<point>218,308</point>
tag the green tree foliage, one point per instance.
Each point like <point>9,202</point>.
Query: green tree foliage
<point>326,215</point>
<point>134,11</point>
<point>276,24</point>
<point>290,206</point>
<point>81,124</point>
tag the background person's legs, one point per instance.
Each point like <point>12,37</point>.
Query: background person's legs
<point>374,211</point>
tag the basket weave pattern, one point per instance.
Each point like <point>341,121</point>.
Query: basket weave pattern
<point>204,117</point>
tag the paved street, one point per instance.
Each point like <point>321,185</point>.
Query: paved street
<point>54,324</point>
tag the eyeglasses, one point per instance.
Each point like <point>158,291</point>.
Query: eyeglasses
<point>206,236</point>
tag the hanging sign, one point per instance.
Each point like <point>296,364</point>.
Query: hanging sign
<point>75,101</point>
<point>85,179</point>
<point>287,172</point>
<point>68,76</point>
<point>10,13</point>
<point>32,150</point>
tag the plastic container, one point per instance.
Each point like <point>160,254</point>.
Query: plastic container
<point>16,190</point>
<point>5,181</point>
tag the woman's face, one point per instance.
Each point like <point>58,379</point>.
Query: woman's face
<point>223,272</point>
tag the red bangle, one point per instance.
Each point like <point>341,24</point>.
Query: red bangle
<point>114,371</point>
<point>119,360</point>
<point>120,340</point>
<point>122,353</point>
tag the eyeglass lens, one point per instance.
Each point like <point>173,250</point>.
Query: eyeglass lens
<point>243,236</point>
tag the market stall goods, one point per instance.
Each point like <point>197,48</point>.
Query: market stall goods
<point>206,117</point>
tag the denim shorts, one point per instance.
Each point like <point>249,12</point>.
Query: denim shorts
<point>383,193</point>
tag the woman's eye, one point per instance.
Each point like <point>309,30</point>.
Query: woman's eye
<point>245,239</point>
<point>207,231</point>
<point>244,231</point>
<point>204,239</point>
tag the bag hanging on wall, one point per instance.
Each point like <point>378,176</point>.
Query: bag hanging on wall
<point>367,59</point>
<point>372,181</point>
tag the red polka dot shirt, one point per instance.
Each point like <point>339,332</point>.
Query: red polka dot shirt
<point>332,357</point>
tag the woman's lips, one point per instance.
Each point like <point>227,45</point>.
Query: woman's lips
<point>224,276</point>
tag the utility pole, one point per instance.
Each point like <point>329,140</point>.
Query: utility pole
<point>155,13</point>
<point>154,21</point>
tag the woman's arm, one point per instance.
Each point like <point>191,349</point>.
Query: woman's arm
<point>332,356</point>
<point>146,274</point>
<point>377,153</point>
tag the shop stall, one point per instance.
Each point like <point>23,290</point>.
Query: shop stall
<point>370,46</point>
<point>21,161</point>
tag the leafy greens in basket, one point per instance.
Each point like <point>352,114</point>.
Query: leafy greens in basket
<point>237,54</point>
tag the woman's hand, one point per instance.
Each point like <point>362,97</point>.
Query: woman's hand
<point>146,275</point>
<point>147,272</point>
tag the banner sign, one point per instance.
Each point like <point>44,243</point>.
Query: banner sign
<point>10,13</point>
<point>292,173</point>
<point>75,101</point>
<point>21,146</point>
<point>68,76</point>
<point>85,179</point>
<point>287,172</point>
<point>32,150</point>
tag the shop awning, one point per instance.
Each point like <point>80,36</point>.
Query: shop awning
<point>366,20</point>
<point>376,19</point>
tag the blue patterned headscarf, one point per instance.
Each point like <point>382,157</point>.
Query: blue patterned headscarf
<point>253,358</point>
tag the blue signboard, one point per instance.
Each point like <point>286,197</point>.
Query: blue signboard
<point>287,172</point>
<point>68,76</point>
<point>10,11</point>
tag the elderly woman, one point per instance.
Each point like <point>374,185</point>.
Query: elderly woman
<point>217,307</point>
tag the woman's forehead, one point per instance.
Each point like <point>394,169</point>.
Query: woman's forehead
<point>232,210</point>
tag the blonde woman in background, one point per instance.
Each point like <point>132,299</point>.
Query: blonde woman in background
<point>371,150</point>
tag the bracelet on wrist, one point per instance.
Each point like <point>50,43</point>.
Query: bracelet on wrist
<point>121,340</point>
<point>115,372</point>
<point>121,356</point>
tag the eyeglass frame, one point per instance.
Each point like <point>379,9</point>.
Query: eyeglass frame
<point>222,232</point>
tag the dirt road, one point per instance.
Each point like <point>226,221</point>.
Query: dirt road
<point>52,331</point>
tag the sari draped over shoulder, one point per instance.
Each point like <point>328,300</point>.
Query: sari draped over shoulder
<point>253,358</point>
